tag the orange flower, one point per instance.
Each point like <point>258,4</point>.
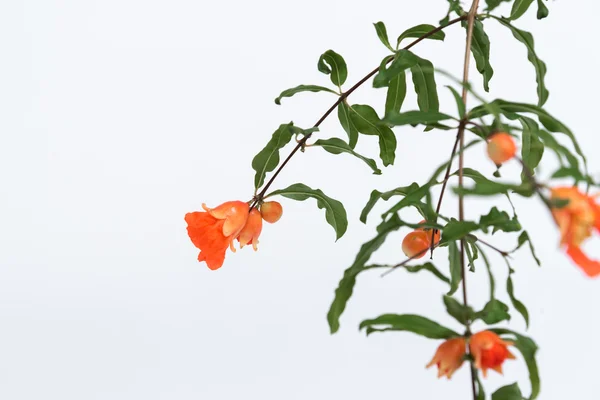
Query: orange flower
<point>449,357</point>
<point>252,229</point>
<point>489,351</point>
<point>214,230</point>
<point>576,222</point>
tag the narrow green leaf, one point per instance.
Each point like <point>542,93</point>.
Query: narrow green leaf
<point>396,93</point>
<point>428,267</point>
<point>519,8</point>
<point>480,390</point>
<point>491,5</point>
<point>532,148</point>
<point>494,311</point>
<point>367,121</point>
<point>524,238</point>
<point>376,195</point>
<point>495,188</point>
<point>414,118</point>
<point>460,104</point>
<point>455,230</point>
<point>403,60</point>
<point>338,146</point>
<point>455,267</point>
<point>268,158</point>
<point>302,88</point>
<point>528,349</point>
<point>346,285</point>
<point>480,47</point>
<point>542,11</point>
<point>458,311</point>
<point>409,323</point>
<point>540,67</point>
<point>335,214</point>
<point>382,35</point>
<point>488,266</point>
<point>420,30</point>
<point>425,86</point>
<point>472,251</point>
<point>509,392</point>
<point>500,221</point>
<point>347,123</point>
<point>333,64</point>
<point>412,198</point>
<point>517,304</point>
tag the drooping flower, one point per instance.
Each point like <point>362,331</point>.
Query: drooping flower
<point>449,357</point>
<point>271,211</point>
<point>213,230</point>
<point>576,221</point>
<point>251,231</point>
<point>489,351</point>
<point>416,243</point>
<point>501,147</point>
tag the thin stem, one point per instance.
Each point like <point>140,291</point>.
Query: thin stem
<point>461,163</point>
<point>342,98</point>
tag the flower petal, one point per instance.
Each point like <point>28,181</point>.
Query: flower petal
<point>589,266</point>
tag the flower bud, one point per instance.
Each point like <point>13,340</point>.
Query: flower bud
<point>416,242</point>
<point>501,147</point>
<point>271,211</point>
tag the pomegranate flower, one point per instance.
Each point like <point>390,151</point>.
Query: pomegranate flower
<point>213,230</point>
<point>489,351</point>
<point>250,232</point>
<point>449,357</point>
<point>576,221</point>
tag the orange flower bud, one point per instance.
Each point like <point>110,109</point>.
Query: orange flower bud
<point>489,351</point>
<point>416,242</point>
<point>271,211</point>
<point>428,230</point>
<point>214,230</point>
<point>577,221</point>
<point>501,147</point>
<point>449,357</point>
<point>251,231</point>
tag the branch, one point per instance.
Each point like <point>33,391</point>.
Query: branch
<point>342,98</point>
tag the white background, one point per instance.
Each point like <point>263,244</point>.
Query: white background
<point>118,117</point>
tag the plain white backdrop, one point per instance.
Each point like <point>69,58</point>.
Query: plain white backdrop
<point>118,117</point>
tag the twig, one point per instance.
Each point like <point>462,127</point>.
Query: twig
<point>342,98</point>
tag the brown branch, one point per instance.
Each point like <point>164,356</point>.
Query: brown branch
<point>342,98</point>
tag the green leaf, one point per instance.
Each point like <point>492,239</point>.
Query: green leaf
<point>302,88</point>
<point>460,104</point>
<point>472,251</point>
<point>409,323</point>
<point>524,238</point>
<point>519,8</point>
<point>338,146</point>
<point>500,221</point>
<point>347,123</point>
<point>403,60</point>
<point>394,118</point>
<point>428,267</point>
<point>376,195</point>
<point>542,11</point>
<point>528,349</point>
<point>455,267</point>
<point>382,35</point>
<point>412,198</point>
<point>540,67</point>
<point>396,93</point>
<point>492,4</point>
<point>268,158</point>
<point>510,392</point>
<point>420,30</point>
<point>457,310</point>
<point>346,285</point>
<point>367,121</point>
<point>480,390</point>
<point>490,273</point>
<point>332,64</point>
<point>335,214</point>
<point>517,304</point>
<point>532,148</point>
<point>455,230</point>
<point>480,47</point>
<point>494,311</point>
<point>425,86</point>
<point>491,188</point>
<point>573,172</point>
